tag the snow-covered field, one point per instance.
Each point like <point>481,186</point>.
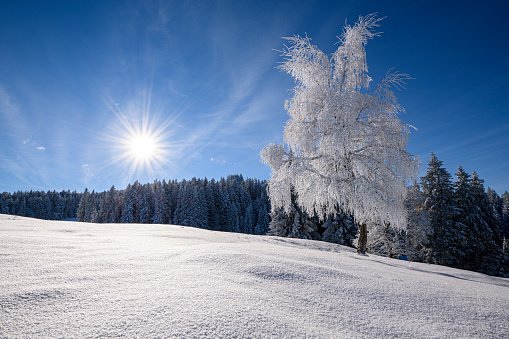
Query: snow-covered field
<point>68,279</point>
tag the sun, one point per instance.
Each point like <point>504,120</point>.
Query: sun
<point>143,147</point>
<point>140,145</point>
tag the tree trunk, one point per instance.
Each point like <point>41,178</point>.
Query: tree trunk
<point>363,239</point>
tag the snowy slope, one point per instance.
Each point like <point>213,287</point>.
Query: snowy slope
<point>68,279</point>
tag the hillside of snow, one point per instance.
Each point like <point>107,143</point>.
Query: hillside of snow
<point>69,279</point>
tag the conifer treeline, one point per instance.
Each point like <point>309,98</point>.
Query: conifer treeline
<point>49,205</point>
<point>453,223</point>
<point>232,204</point>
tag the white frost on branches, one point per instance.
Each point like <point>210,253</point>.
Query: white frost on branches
<point>344,148</point>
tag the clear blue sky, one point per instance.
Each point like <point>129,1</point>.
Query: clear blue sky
<point>78,79</point>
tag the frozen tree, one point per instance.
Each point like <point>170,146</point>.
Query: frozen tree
<point>344,147</point>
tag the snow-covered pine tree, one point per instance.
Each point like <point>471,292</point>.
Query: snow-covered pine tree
<point>293,224</point>
<point>262,224</point>
<point>158,195</point>
<point>495,203</point>
<point>128,206</point>
<point>469,218</point>
<point>386,241</point>
<point>83,206</point>
<point>213,204</point>
<point>23,209</point>
<point>182,207</point>
<point>446,233</point>
<point>340,229</point>
<point>144,208</point>
<point>249,221</point>
<point>490,258</point>
<point>344,147</point>
<point>199,214</point>
<point>504,225</point>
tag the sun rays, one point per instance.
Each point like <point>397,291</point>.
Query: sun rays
<point>139,142</point>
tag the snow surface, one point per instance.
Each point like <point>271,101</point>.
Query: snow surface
<point>69,279</point>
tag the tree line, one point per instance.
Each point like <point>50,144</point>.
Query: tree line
<point>49,205</point>
<point>232,204</point>
<point>467,226</point>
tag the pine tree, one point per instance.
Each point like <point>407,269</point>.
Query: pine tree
<point>262,224</point>
<point>128,208</point>
<point>340,229</point>
<point>249,221</point>
<point>489,257</point>
<point>213,204</point>
<point>445,237</point>
<point>388,242</point>
<point>144,208</point>
<point>469,219</point>
<point>83,206</point>
<point>199,214</point>
<point>504,224</point>
<point>233,218</point>
<point>158,204</point>
<point>293,224</point>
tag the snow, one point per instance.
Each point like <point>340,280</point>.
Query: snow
<point>68,279</point>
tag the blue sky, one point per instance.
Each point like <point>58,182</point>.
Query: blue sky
<point>79,79</point>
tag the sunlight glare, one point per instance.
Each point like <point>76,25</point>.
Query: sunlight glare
<point>143,147</point>
<point>140,143</point>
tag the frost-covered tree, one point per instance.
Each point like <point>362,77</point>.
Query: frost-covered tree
<point>344,147</point>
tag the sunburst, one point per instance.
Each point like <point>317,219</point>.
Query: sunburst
<point>140,143</point>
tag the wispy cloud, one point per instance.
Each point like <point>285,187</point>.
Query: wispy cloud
<point>19,159</point>
<point>10,114</point>
<point>87,175</point>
